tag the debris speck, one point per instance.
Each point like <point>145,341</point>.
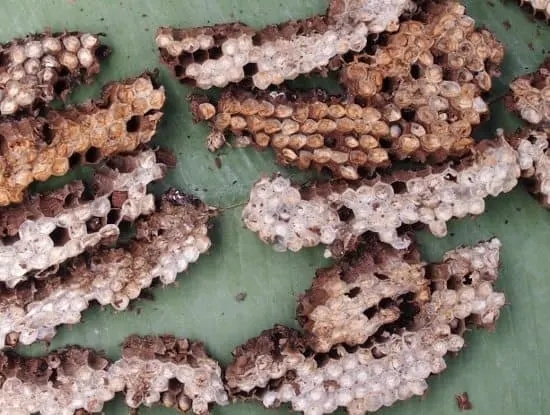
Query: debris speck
<point>240,297</point>
<point>463,401</point>
<point>507,25</point>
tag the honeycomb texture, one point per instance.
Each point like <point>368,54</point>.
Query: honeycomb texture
<point>228,53</point>
<point>400,103</point>
<point>534,159</point>
<point>530,96</point>
<point>348,302</point>
<point>36,148</point>
<point>42,237</point>
<point>165,244</point>
<point>79,381</point>
<point>175,372</point>
<point>277,366</point>
<point>337,214</point>
<point>59,384</point>
<point>41,67</point>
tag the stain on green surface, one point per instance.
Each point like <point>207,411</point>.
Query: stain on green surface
<point>505,372</point>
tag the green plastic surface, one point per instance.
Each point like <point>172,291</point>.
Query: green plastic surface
<point>506,372</point>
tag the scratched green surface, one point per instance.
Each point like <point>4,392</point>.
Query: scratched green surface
<point>505,372</point>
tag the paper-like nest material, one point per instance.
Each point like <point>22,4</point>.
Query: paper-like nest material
<point>417,96</point>
<point>278,367</point>
<point>45,231</point>
<point>41,67</point>
<point>337,214</point>
<point>534,160</point>
<point>165,244</point>
<point>176,372</point>
<point>530,96</point>
<point>348,302</point>
<point>226,53</point>
<point>36,148</point>
<point>75,380</point>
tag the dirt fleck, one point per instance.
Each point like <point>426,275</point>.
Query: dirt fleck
<point>507,25</point>
<point>218,162</point>
<point>147,295</point>
<point>240,297</point>
<point>463,401</point>
<point>530,46</point>
<point>491,3</point>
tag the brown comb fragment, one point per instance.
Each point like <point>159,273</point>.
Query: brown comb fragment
<point>348,302</point>
<point>38,148</point>
<point>338,213</point>
<point>79,381</point>
<point>530,96</point>
<point>417,97</point>
<point>176,372</point>
<point>41,67</point>
<point>278,367</point>
<point>165,244</point>
<point>229,53</point>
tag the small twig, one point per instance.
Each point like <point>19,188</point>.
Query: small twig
<point>233,206</point>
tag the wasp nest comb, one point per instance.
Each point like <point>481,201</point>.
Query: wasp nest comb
<point>74,380</point>
<point>226,53</point>
<point>175,372</point>
<point>46,230</point>
<point>337,214</point>
<point>166,243</point>
<point>530,96</point>
<point>534,160</point>
<point>416,97</point>
<point>35,149</point>
<point>279,366</point>
<point>538,6</point>
<point>41,67</point>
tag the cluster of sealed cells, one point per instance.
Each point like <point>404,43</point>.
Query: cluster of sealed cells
<point>41,67</point>
<point>230,53</point>
<point>417,94</point>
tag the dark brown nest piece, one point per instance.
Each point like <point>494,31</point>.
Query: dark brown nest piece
<point>38,148</point>
<point>230,53</point>
<point>167,240</point>
<point>376,326</point>
<point>417,96</point>
<point>41,67</point>
<point>174,372</point>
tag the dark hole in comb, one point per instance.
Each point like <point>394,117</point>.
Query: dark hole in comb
<point>408,114</point>
<point>354,292</point>
<point>200,56</point>
<point>133,124</point>
<point>47,133</point>
<point>399,187</point>
<point>372,45</point>
<point>215,52</point>
<point>381,277</point>
<point>94,224</point>
<point>60,86</point>
<point>250,69</point>
<point>345,214</point>
<point>93,155</point>
<point>3,145</point>
<point>60,236</point>
<point>370,312</point>
<point>70,200</point>
<point>75,160</point>
<point>179,70</point>
<point>113,216</point>
<point>416,71</point>
<point>186,59</point>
